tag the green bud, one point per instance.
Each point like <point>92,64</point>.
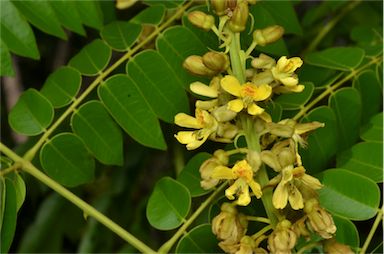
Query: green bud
<point>201,20</point>
<point>219,7</point>
<point>239,17</point>
<point>216,61</point>
<point>195,65</point>
<point>267,35</point>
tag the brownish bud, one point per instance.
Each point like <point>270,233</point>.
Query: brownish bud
<point>252,1</point>
<point>320,220</point>
<point>300,228</point>
<point>283,239</point>
<point>333,247</point>
<point>194,64</point>
<point>239,17</point>
<point>201,20</point>
<point>268,35</point>
<point>216,61</point>
<point>219,7</point>
<point>220,158</point>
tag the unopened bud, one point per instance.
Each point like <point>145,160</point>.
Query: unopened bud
<point>223,114</point>
<point>263,62</point>
<point>283,239</point>
<point>201,20</point>
<point>227,130</point>
<point>268,35</point>
<point>333,247</point>
<point>215,61</point>
<point>286,157</point>
<point>239,17</point>
<point>254,159</point>
<point>221,156</point>
<point>219,7</point>
<point>271,160</point>
<point>320,220</point>
<point>195,65</point>
<point>280,130</point>
<point>207,105</point>
<point>300,228</point>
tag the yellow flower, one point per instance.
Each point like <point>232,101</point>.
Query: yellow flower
<point>284,70</point>
<point>204,122</point>
<point>242,173</point>
<point>247,94</point>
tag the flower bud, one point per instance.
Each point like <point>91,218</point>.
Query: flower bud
<point>286,157</point>
<point>227,130</point>
<point>124,4</point>
<point>219,7</point>
<point>264,77</point>
<point>268,35</point>
<point>280,130</point>
<point>223,114</point>
<point>220,158</point>
<point>194,64</point>
<point>239,17</point>
<point>207,105</point>
<point>229,225</point>
<point>333,247</point>
<point>201,20</point>
<point>300,228</point>
<point>320,220</point>
<point>215,61</point>
<point>263,62</point>
<point>283,239</point>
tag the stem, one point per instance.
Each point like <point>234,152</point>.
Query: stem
<point>12,168</point>
<point>379,217</point>
<point>328,27</point>
<point>32,152</point>
<point>89,210</point>
<point>237,63</point>
<point>165,248</point>
<point>262,231</point>
<point>330,89</point>
<point>259,219</point>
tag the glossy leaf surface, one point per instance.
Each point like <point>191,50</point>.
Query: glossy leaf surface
<point>90,13</point>
<point>358,203</point>
<point>92,59</point>
<point>120,35</point>
<point>92,123</point>
<point>341,58</point>
<point>152,15</point>
<point>365,159</point>
<point>168,204</point>
<point>62,86</point>
<point>5,61</point>
<point>9,217</point>
<point>346,104</point>
<point>31,114</point>
<point>199,240</point>
<point>65,159</point>
<point>158,83</point>
<point>373,130</point>
<point>346,232</point>
<point>68,15</point>
<point>16,32</point>
<point>41,15</point>
<point>190,175</point>
<point>125,102</point>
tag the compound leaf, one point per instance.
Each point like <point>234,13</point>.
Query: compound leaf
<point>120,35</point>
<point>293,101</point>
<point>68,16</point>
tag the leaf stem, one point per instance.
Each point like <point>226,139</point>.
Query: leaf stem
<point>259,219</point>
<point>261,232</point>
<point>30,154</point>
<point>328,27</point>
<point>12,168</point>
<point>85,207</point>
<point>166,247</point>
<point>379,217</point>
<point>332,88</point>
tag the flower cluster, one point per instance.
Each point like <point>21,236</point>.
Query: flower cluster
<point>233,104</point>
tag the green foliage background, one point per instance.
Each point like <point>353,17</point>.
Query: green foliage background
<point>102,124</point>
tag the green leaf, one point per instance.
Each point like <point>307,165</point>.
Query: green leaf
<point>92,123</point>
<point>65,159</point>
<point>364,158</point>
<point>373,131</point>
<point>31,114</point>
<point>320,77</point>
<point>175,45</point>
<point>68,16</point>
<point>323,142</point>
<point>168,204</point>
<point>62,86</point>
<point>41,15</point>
<point>337,58</point>
<point>152,15</point>
<point>124,101</point>
<point>263,19</point>
<point>166,3</point>
<point>6,68</point>
<point>199,240</point>
<point>293,101</point>
<point>3,196</point>
<point>90,13</point>
<point>92,59</point>
<point>20,190</point>
<point>275,110</point>
<point>16,32</point>
<point>9,218</point>
<point>159,84</point>
<point>190,175</point>
<point>346,104</point>
<point>371,94</point>
<point>358,203</point>
<point>284,15</point>
<point>346,232</point>
<point>120,35</point>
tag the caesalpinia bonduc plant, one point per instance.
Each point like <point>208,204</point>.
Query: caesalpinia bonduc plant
<point>269,166</point>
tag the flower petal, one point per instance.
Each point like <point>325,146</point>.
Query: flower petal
<point>206,105</point>
<point>280,196</point>
<point>184,120</point>
<point>290,81</point>
<point>204,90</point>
<point>262,92</point>
<point>295,198</point>
<point>236,105</point>
<point>222,172</point>
<point>256,188</point>
<point>185,137</point>
<point>231,85</point>
<point>244,197</point>
<point>254,110</point>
